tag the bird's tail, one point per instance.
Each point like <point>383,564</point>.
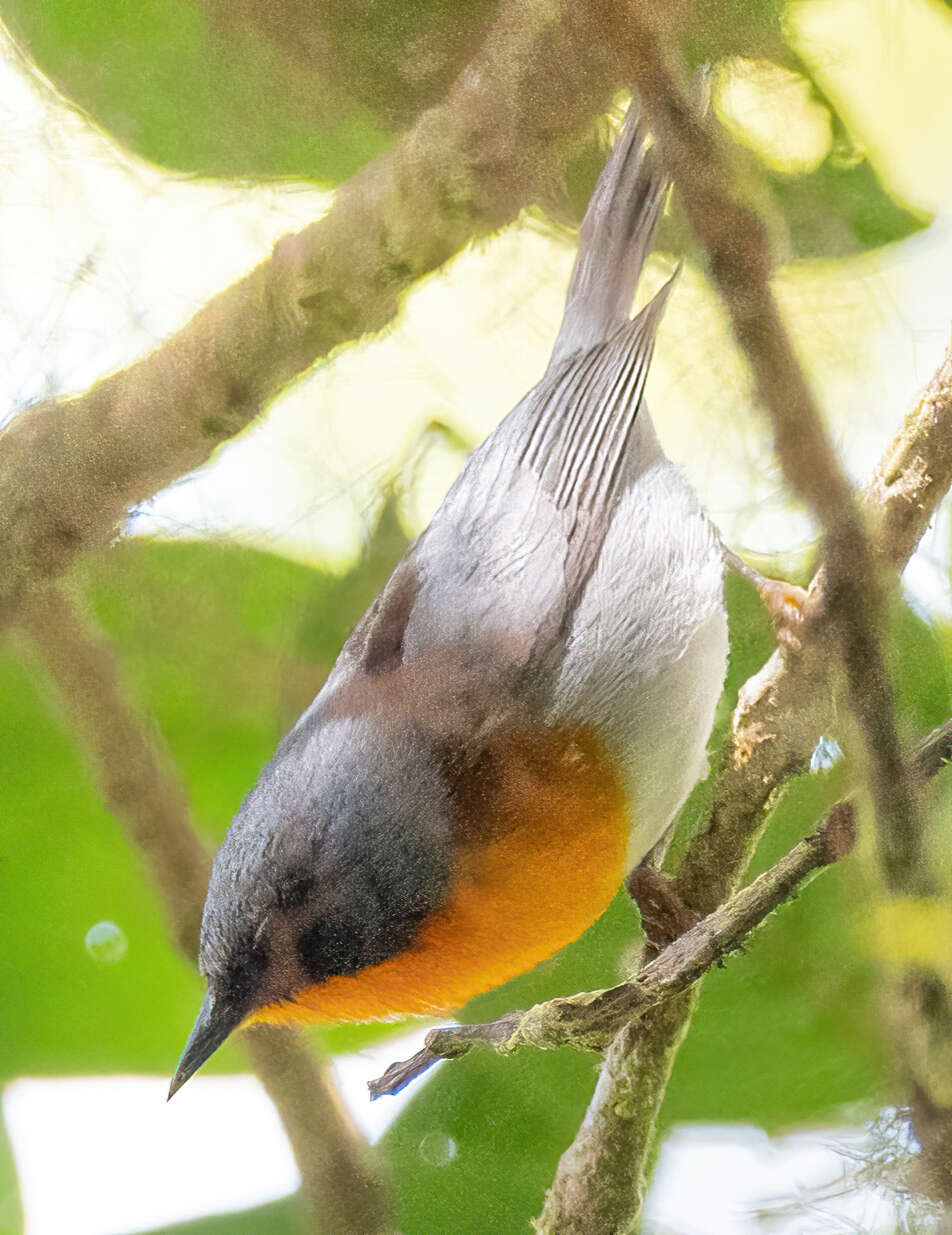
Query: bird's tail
<point>615,239</point>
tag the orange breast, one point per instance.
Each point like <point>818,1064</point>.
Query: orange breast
<point>535,871</point>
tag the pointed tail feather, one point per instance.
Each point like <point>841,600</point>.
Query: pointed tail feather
<point>615,239</point>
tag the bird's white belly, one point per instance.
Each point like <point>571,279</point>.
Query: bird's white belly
<point>662,746</point>
<point>647,653</point>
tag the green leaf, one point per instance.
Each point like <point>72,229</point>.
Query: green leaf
<point>63,868</point>
<point>919,663</point>
<point>237,89</point>
<point>836,210</point>
<point>11,1211</point>
<point>285,1217</point>
<point>222,646</point>
<point>309,90</point>
<point>840,208</point>
<point>393,57</point>
<point>721,28</point>
<point>212,99</point>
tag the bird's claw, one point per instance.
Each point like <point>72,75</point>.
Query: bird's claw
<point>785,604</point>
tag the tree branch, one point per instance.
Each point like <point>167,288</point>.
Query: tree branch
<point>340,1176</point>
<point>738,246</point>
<point>783,709</point>
<point>70,469</point>
<point>592,1020</point>
<point>914,474</point>
<point>135,778</point>
<point>612,1154</point>
<point>780,714</point>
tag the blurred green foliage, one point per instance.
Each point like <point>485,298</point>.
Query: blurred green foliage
<point>177,89</point>
<point>223,646</point>
<point>11,1214</point>
<point>839,209</point>
<point>311,90</point>
<point>282,1218</point>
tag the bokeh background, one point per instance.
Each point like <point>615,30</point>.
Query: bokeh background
<point>151,151</point>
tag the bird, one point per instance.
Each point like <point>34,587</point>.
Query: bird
<point>516,720</point>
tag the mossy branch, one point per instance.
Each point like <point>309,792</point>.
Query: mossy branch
<point>71,469</point>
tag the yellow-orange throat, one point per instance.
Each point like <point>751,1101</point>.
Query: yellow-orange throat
<point>535,872</point>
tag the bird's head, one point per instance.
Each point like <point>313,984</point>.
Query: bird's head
<point>333,861</point>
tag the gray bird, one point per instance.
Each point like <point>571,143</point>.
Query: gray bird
<point>517,718</point>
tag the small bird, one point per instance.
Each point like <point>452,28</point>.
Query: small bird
<point>519,715</point>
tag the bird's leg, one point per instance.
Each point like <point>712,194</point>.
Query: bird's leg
<point>664,916</point>
<point>783,601</point>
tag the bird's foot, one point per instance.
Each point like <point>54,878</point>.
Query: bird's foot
<point>785,602</point>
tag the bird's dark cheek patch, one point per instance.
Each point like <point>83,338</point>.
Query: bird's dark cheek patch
<point>343,944</point>
<point>327,949</point>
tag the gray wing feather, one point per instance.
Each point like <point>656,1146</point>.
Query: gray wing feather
<point>521,530</point>
<point>582,433</point>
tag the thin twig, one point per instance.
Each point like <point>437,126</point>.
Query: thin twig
<point>914,473</point>
<point>133,772</point>
<point>739,251</point>
<point>138,785</point>
<point>933,752</point>
<point>783,709</point>
<point>340,1177</point>
<point>590,1021</point>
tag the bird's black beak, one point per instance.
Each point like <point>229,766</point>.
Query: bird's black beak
<point>213,1024</point>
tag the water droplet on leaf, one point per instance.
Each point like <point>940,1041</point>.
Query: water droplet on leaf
<point>106,943</point>
<point>437,1149</point>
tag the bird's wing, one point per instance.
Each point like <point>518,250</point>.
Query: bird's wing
<point>376,642</point>
<point>580,437</point>
<point>505,558</point>
<point>534,504</point>
<point>576,428</point>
